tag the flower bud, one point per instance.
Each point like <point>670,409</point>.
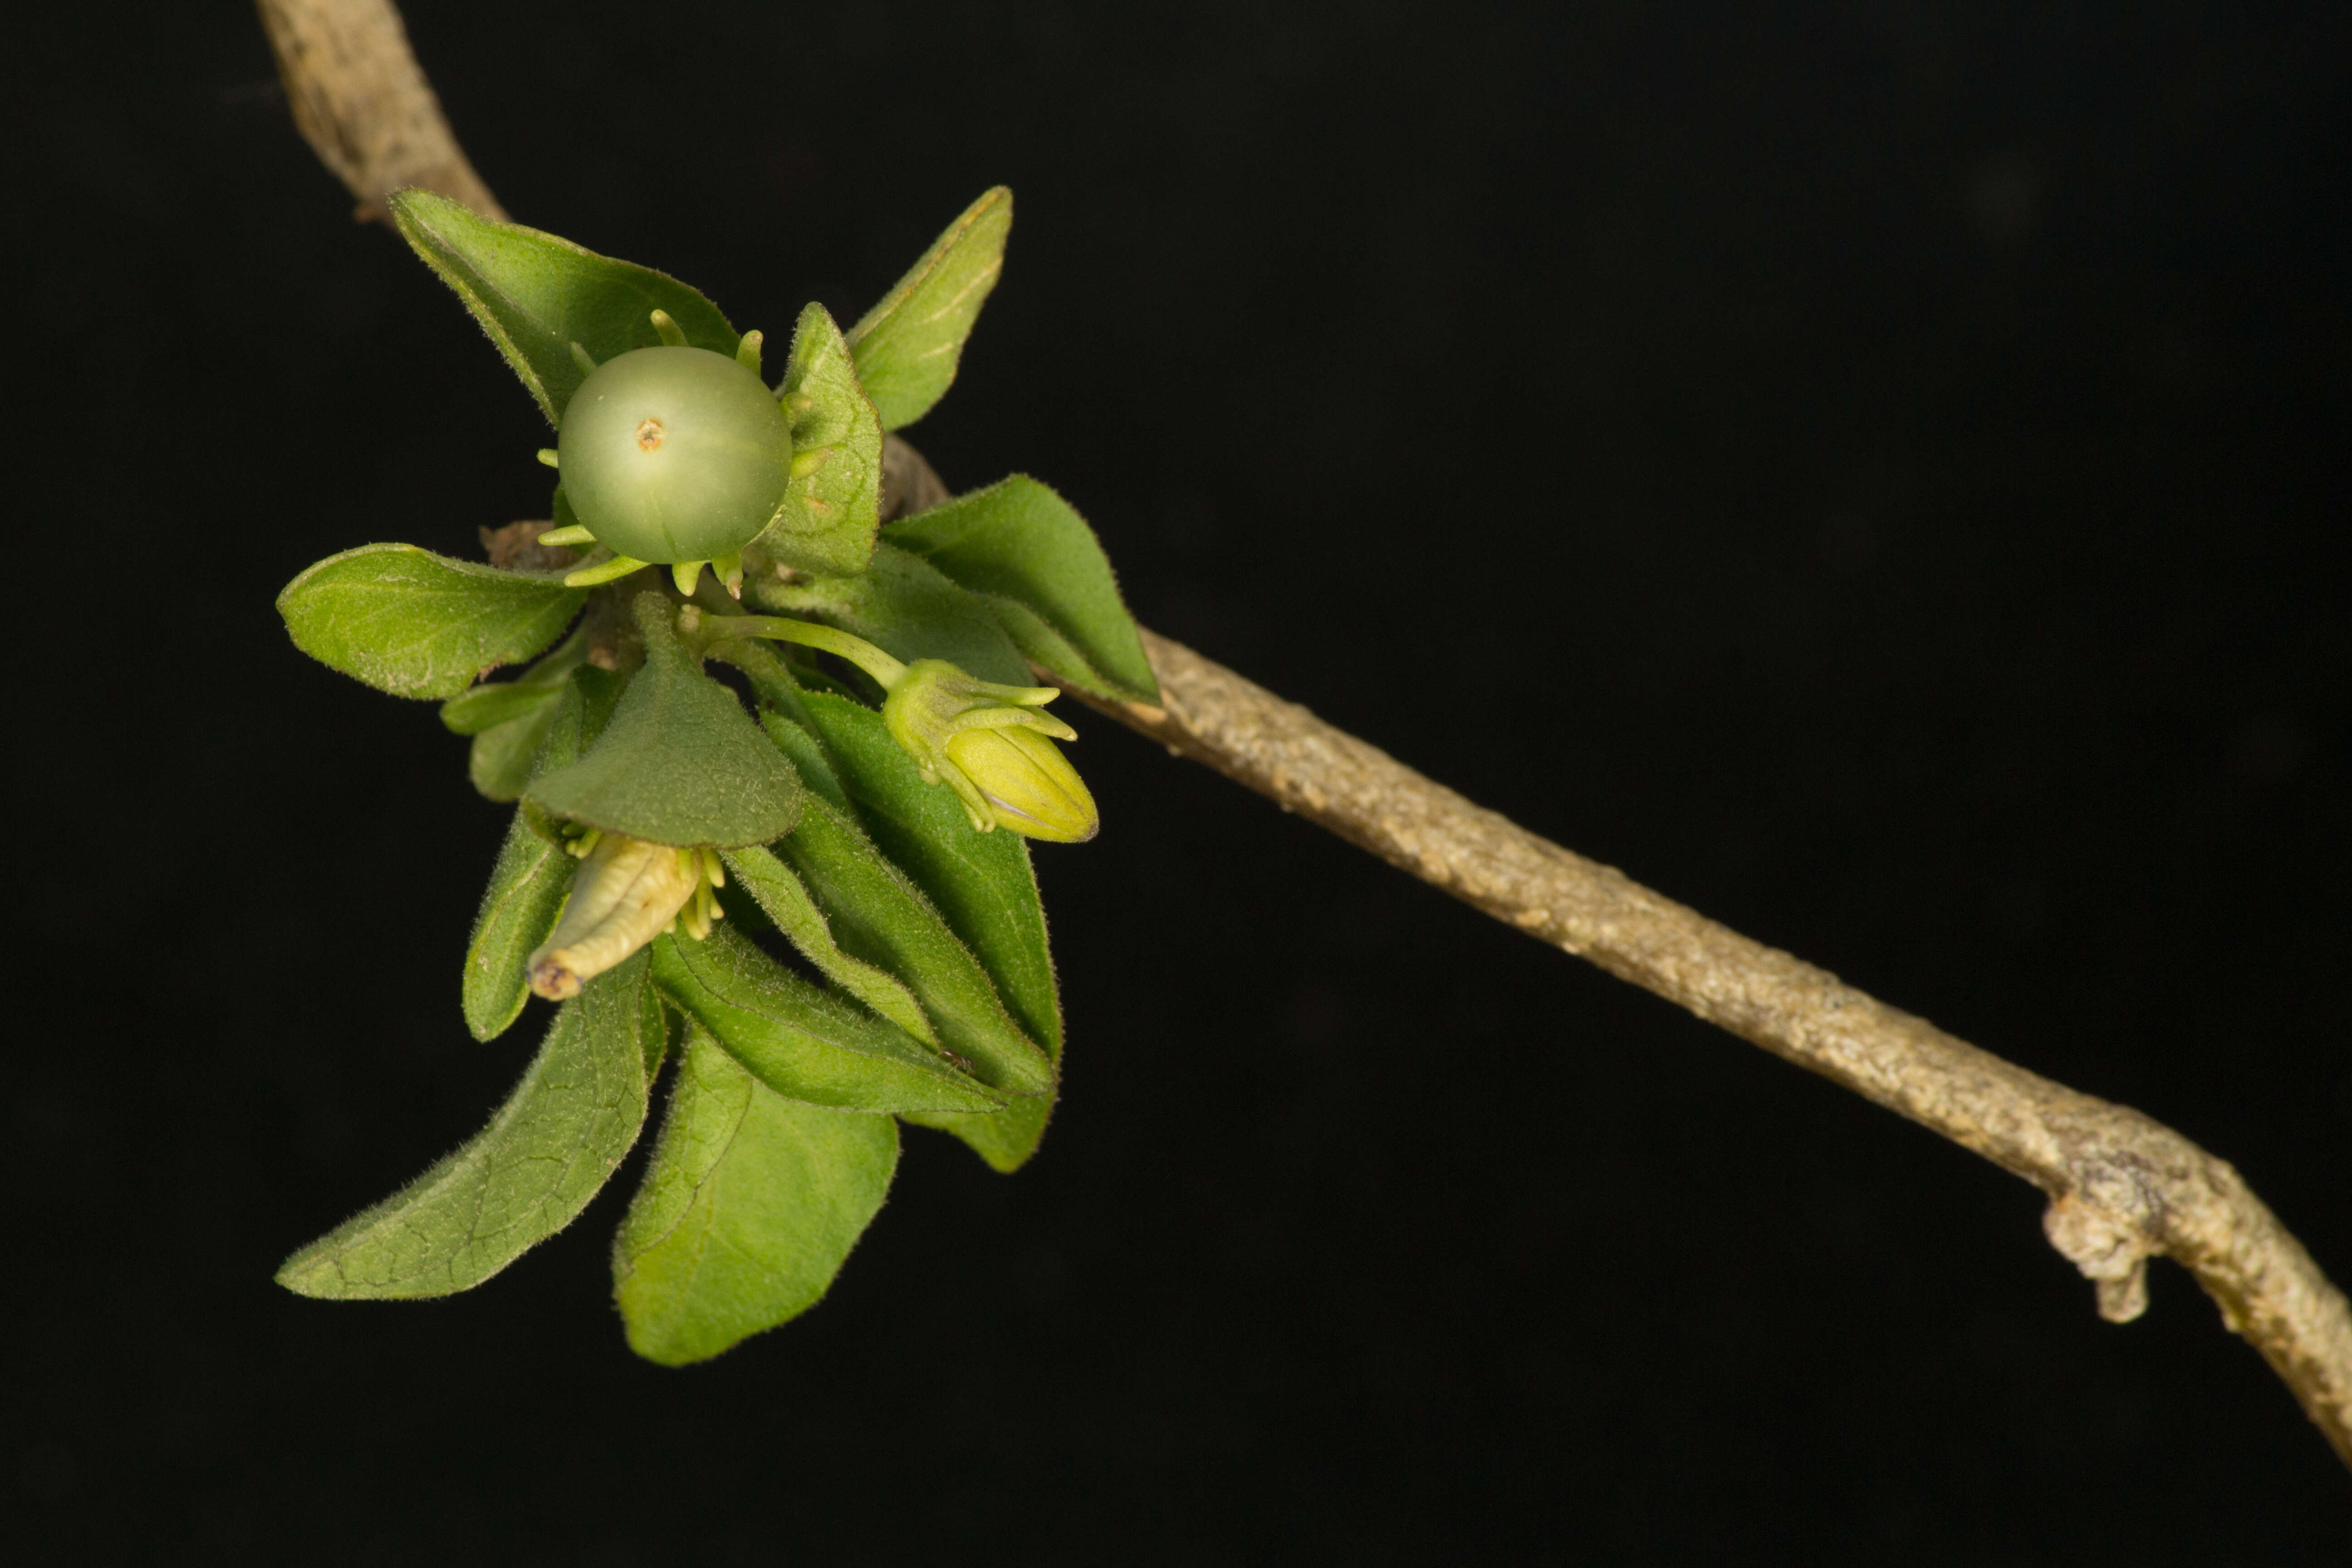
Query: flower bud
<point>1029,786</point>
<point>988,743</point>
<point>627,893</point>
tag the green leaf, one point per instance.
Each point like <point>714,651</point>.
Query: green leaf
<point>415,624</point>
<point>572,726</point>
<point>554,1142</point>
<point>528,887</point>
<point>882,917</point>
<point>803,1042</point>
<point>907,346</point>
<point>1048,577</point>
<point>982,883</point>
<point>499,762</point>
<point>833,502</point>
<point>785,898</point>
<point>681,762</point>
<point>750,1207</point>
<point>772,678</point>
<point>508,719</point>
<point>537,295</point>
<point>782,714</point>
<point>533,875</point>
<point>909,607</point>
<point>808,756</point>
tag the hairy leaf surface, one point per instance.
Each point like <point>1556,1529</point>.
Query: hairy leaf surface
<point>414,623</point>
<point>536,295</point>
<point>750,1207</point>
<point>982,883</point>
<point>879,914</point>
<point>908,345</point>
<point>519,909</point>
<point>524,1178</point>
<point>1019,542</point>
<point>833,502</point>
<point>680,761</point>
<point>509,720</point>
<point>786,901</point>
<point>907,606</point>
<point>800,1041</point>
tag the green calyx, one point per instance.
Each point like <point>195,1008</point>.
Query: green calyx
<point>674,456</point>
<point>989,744</point>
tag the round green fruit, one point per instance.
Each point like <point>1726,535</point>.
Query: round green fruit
<point>672,454</point>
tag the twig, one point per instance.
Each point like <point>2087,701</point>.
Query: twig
<point>2123,1188</point>
<point>362,102</point>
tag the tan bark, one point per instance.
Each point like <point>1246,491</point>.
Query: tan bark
<point>2123,1188</point>
<point>362,102</point>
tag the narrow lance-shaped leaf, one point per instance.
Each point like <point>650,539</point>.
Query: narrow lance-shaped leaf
<point>1047,577</point>
<point>520,908</point>
<point>799,742</point>
<point>750,1204</point>
<point>531,880</point>
<point>800,1041</point>
<point>982,883</point>
<point>907,606</point>
<point>681,762</point>
<point>880,916</point>
<point>414,623</point>
<point>907,346</point>
<point>524,1178</point>
<point>833,503</point>
<point>785,900</point>
<point>537,295</point>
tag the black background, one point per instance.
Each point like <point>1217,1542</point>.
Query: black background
<point>1874,471</point>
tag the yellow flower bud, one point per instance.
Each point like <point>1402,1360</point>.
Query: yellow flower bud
<point>627,893</point>
<point>989,744</point>
<point>1029,786</point>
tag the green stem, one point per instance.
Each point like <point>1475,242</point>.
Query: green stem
<point>808,633</point>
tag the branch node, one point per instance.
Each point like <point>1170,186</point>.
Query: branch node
<point>2111,1252</point>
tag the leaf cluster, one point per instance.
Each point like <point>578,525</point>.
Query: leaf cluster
<point>902,971</point>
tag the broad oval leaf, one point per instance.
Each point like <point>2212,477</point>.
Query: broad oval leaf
<point>680,761</point>
<point>903,603</point>
<point>907,346</point>
<point>785,900</point>
<point>747,1210</point>
<point>555,1142</point>
<point>801,1042</point>
<point>537,295</point>
<point>832,505</point>
<point>982,883</point>
<point>878,915</point>
<point>1029,548</point>
<point>414,623</point>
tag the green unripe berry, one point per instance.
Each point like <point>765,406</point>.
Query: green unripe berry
<point>673,454</point>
